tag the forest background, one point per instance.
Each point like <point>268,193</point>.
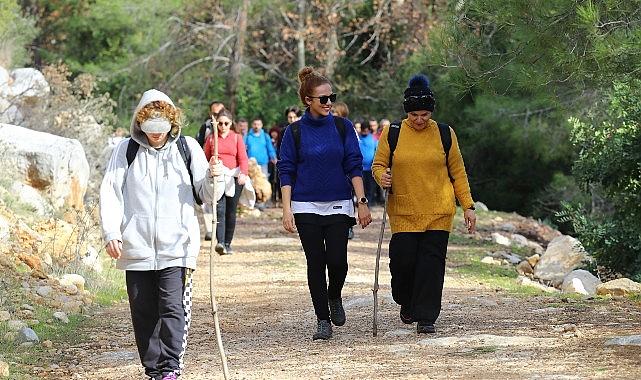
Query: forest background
<point>545,96</point>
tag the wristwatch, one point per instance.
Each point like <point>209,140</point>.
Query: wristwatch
<point>362,200</point>
<point>471,208</point>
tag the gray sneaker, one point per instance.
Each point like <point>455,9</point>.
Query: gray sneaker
<point>336,311</point>
<point>220,249</point>
<point>323,330</point>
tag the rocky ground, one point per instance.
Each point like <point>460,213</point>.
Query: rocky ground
<point>484,332</point>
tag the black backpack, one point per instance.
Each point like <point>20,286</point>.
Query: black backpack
<point>339,122</point>
<point>446,140</point>
<point>185,153</point>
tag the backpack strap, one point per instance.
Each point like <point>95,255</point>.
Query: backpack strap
<point>392,139</point>
<point>446,140</point>
<point>340,125</point>
<point>132,149</point>
<point>185,153</point>
<point>295,126</point>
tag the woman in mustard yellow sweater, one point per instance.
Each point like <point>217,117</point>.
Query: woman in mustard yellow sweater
<point>423,184</point>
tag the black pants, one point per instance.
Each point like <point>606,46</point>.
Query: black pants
<point>417,264</point>
<point>370,186</point>
<point>226,214</point>
<point>160,303</point>
<point>324,240</point>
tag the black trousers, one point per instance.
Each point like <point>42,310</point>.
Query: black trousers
<point>417,264</point>
<point>370,186</point>
<point>226,214</point>
<point>160,303</point>
<point>324,240</point>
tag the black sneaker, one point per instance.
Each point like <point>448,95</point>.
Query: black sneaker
<point>406,316</point>
<point>220,249</point>
<point>336,311</point>
<point>424,327</point>
<point>323,330</point>
<point>228,249</point>
<point>208,236</point>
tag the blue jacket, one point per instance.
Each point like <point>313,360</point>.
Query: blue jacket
<point>368,146</point>
<point>260,147</point>
<point>327,161</point>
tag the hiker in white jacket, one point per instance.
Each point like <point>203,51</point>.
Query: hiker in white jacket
<point>147,207</point>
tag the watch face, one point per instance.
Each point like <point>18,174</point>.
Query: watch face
<point>363,200</point>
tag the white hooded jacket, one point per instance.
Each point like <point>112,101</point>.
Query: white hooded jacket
<point>149,206</point>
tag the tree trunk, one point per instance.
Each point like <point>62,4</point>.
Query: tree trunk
<point>301,33</point>
<point>237,57</point>
<point>332,49</point>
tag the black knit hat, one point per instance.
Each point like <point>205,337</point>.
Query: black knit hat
<point>418,96</point>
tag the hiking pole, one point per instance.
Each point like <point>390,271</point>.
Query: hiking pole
<point>378,264</point>
<point>214,222</point>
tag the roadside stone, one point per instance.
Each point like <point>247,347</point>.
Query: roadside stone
<point>500,239</point>
<point>527,282</point>
<point>508,227</point>
<point>580,281</point>
<point>4,369</point>
<point>631,340</point>
<point>562,256</point>
<point>47,344</point>
<point>16,325</point>
<point>27,307</point>
<point>44,291</point>
<point>4,315</point>
<point>27,335</point>
<point>61,316</point>
<point>73,279</point>
<point>524,268</point>
<point>619,288</point>
<point>397,333</point>
<point>487,340</point>
<point>480,206</point>
<point>490,260</point>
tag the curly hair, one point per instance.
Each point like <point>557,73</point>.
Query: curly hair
<point>309,79</point>
<point>159,108</point>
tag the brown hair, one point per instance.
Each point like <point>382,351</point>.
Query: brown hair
<point>340,109</point>
<point>309,79</point>
<point>159,108</point>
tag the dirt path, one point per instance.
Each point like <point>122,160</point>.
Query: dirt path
<point>267,322</point>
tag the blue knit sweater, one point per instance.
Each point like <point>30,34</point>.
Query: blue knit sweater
<point>327,163</point>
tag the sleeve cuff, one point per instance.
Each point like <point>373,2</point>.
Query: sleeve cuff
<point>112,236</point>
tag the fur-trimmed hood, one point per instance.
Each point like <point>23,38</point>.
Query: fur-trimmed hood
<point>147,97</point>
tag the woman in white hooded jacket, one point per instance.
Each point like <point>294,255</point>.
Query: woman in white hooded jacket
<point>147,208</point>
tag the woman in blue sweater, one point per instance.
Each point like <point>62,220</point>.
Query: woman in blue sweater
<point>320,163</point>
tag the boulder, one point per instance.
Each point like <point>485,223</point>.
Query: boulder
<point>563,255</point>
<point>55,166</point>
<point>26,83</point>
<point>580,281</point>
<point>480,206</point>
<point>524,268</point>
<point>27,335</point>
<point>619,288</point>
<point>500,239</point>
<point>31,197</point>
<point>73,279</point>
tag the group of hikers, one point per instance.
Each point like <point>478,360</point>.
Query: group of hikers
<point>157,180</point>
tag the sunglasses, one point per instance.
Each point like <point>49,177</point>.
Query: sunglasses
<point>225,123</point>
<point>323,99</point>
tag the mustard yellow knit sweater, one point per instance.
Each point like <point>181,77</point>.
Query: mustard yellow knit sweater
<point>423,196</point>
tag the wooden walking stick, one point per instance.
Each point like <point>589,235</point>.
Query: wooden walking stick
<point>378,264</point>
<point>214,222</point>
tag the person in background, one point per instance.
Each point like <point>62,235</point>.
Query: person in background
<point>358,123</point>
<point>148,215</point>
<point>259,146</point>
<point>242,127</point>
<point>340,109</point>
<point>205,129</point>
<point>423,185</point>
<point>317,177</point>
<point>368,145</point>
<point>274,134</point>
<point>373,127</point>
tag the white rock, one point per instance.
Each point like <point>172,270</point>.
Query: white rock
<point>44,291</point>
<point>61,316</point>
<point>519,240</point>
<point>562,256</point>
<point>73,279</point>
<point>4,369</point>
<point>31,197</point>
<point>619,288</point>
<point>631,340</point>
<point>15,325</point>
<point>55,166</point>
<point>91,259</point>
<point>490,260</point>
<point>28,83</point>
<point>4,315</point>
<point>580,281</point>
<point>480,206</point>
<point>500,239</point>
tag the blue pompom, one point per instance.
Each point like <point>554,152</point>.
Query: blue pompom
<point>419,80</point>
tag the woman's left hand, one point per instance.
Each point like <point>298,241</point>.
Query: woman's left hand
<point>470,220</point>
<point>364,216</point>
<point>241,179</point>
